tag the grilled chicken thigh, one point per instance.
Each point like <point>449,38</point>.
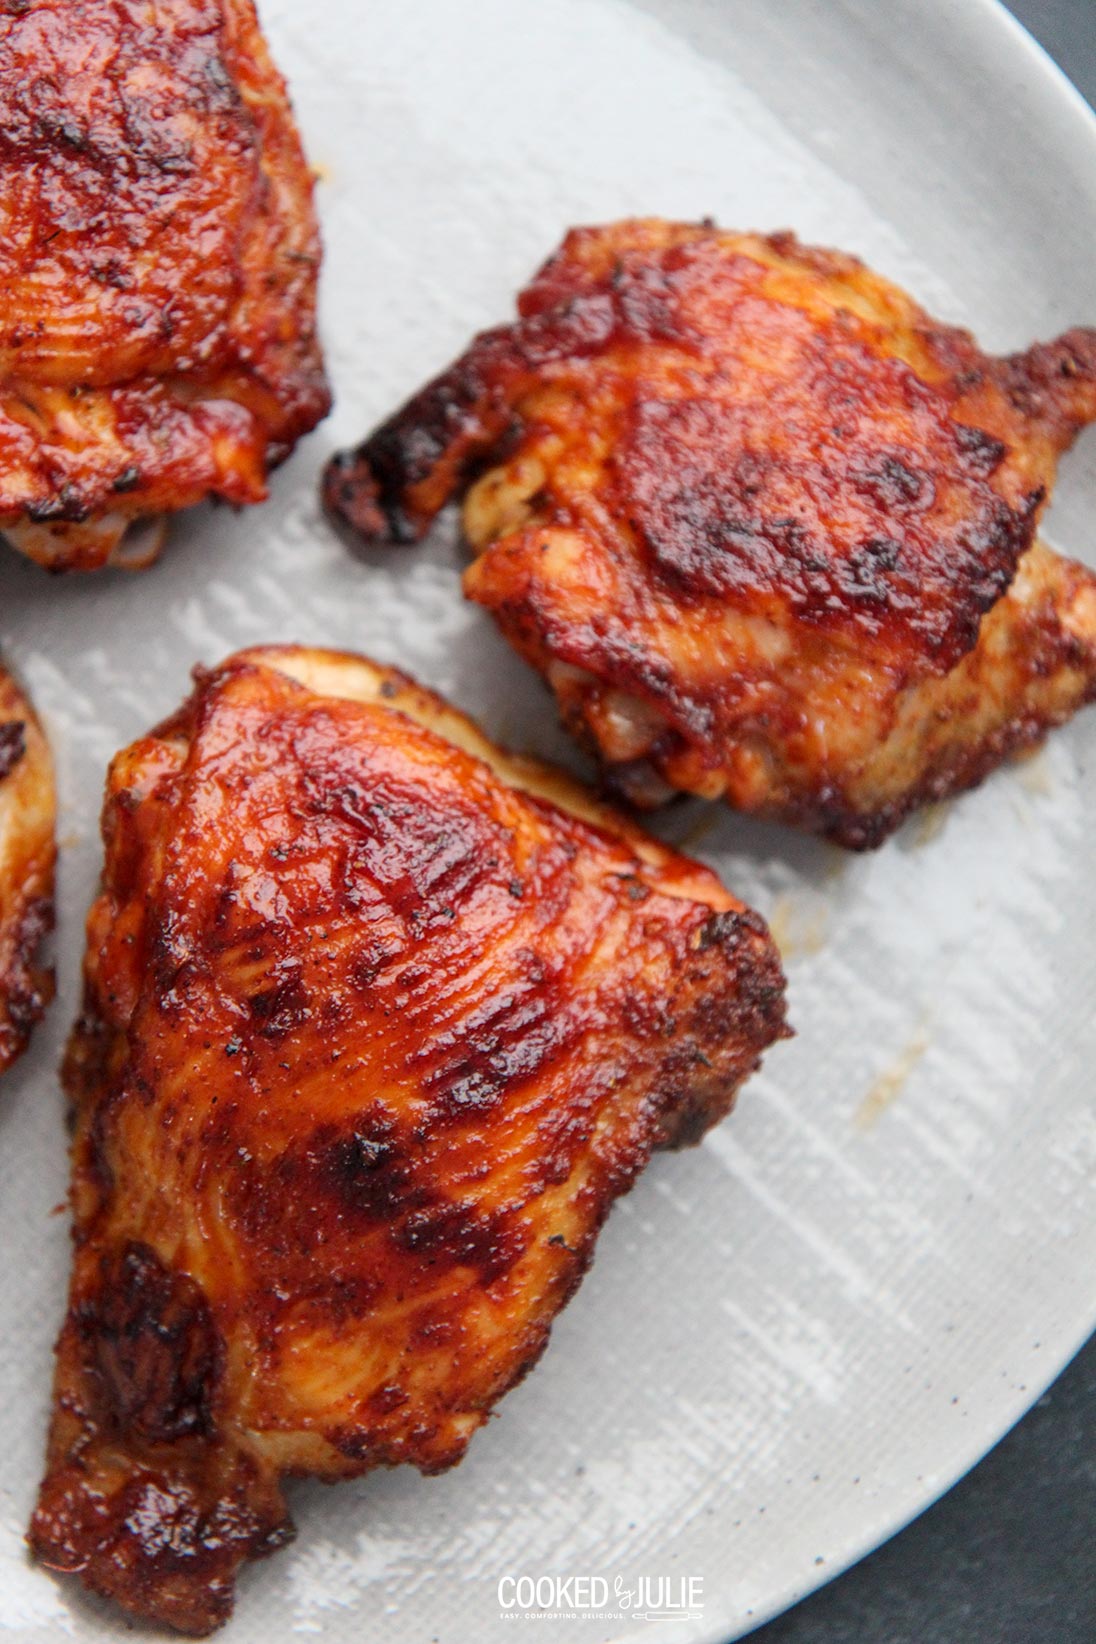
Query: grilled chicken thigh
<point>159,255</point>
<point>379,1021</point>
<point>766,528</point>
<point>28,813</point>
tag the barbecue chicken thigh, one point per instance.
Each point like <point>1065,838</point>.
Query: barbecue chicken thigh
<point>159,255</point>
<point>765,527</point>
<point>28,815</point>
<point>379,1021</point>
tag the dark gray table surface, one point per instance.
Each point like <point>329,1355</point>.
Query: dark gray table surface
<point>1009,1555</point>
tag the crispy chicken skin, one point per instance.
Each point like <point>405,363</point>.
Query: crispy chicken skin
<point>379,1021</point>
<point>159,255</point>
<point>765,527</point>
<point>28,812</point>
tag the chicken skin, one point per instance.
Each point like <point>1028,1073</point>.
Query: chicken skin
<point>765,527</point>
<point>28,812</point>
<point>159,255</point>
<point>379,1021</point>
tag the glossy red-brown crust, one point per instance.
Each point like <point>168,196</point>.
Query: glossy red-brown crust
<point>159,254</point>
<point>747,492</point>
<point>373,1037</point>
<point>27,853</point>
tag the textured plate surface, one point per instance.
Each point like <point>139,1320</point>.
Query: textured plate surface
<point>798,1334</point>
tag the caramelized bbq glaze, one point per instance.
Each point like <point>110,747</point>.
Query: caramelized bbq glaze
<point>159,254</point>
<point>378,1023</point>
<point>746,506</point>
<point>28,810</point>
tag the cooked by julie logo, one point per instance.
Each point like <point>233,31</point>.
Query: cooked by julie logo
<point>588,1597</point>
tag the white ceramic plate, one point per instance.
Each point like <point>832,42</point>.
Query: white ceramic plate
<point>797,1335</point>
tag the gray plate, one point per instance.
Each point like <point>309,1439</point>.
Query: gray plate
<point>797,1335</point>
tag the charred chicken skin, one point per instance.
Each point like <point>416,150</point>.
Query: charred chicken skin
<point>159,255</point>
<point>379,1021</point>
<point>28,813</point>
<point>766,528</point>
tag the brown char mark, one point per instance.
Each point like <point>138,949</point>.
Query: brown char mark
<point>157,1353</point>
<point>13,745</point>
